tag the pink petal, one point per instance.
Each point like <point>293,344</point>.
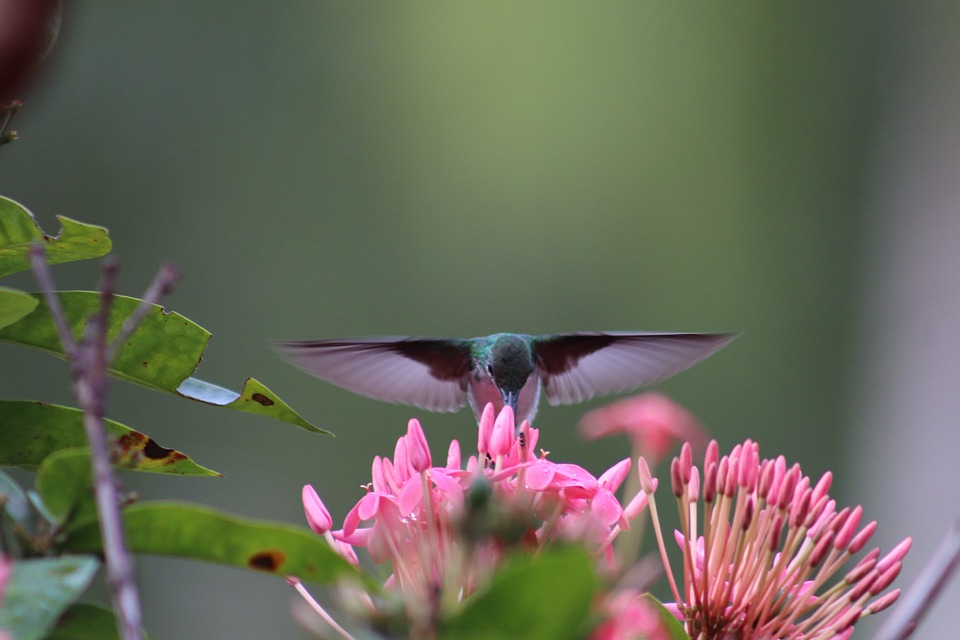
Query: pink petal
<point>613,477</point>
<point>653,422</point>
<point>503,435</point>
<point>401,466</point>
<point>646,479</point>
<point>539,476</point>
<point>317,515</point>
<point>605,508</point>
<point>377,474</point>
<point>453,455</point>
<point>411,497</point>
<point>366,509</point>
<point>418,451</point>
<point>485,429</point>
<point>532,438</point>
<point>575,492</point>
<point>895,555</point>
<point>368,506</point>
<point>358,537</point>
<point>577,474</point>
<point>448,487</point>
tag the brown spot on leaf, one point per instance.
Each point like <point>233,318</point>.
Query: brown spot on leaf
<point>145,364</point>
<point>262,399</point>
<point>154,451</point>
<point>129,441</point>
<point>266,560</point>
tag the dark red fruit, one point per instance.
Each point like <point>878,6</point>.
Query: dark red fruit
<point>28,29</point>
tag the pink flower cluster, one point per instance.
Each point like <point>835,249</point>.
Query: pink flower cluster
<point>760,564</point>
<point>445,529</point>
<point>765,551</point>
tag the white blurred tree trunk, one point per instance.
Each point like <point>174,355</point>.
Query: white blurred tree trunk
<point>906,446</point>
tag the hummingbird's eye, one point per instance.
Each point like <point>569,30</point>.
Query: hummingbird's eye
<point>490,369</point>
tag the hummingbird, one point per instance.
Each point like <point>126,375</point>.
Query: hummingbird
<point>506,369</point>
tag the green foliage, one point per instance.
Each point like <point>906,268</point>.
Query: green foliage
<point>14,305</point>
<point>164,349</point>
<point>60,517</point>
<point>34,430</point>
<point>65,484</point>
<point>85,622</point>
<point>254,398</point>
<point>161,354</point>
<point>199,533</point>
<point>544,597</point>
<point>19,231</point>
<point>40,590</point>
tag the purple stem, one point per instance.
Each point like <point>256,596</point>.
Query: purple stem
<point>89,360</point>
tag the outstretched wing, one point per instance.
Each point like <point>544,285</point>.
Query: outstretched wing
<point>578,366</point>
<point>430,373</point>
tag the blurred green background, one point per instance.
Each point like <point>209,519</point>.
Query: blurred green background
<point>322,169</point>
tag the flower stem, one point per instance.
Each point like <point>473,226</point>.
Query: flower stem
<point>89,359</point>
<point>296,584</point>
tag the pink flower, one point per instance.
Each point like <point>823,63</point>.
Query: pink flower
<point>317,515</point>
<point>762,546</point>
<point>764,562</point>
<point>443,530</point>
<point>628,617</point>
<point>653,422</point>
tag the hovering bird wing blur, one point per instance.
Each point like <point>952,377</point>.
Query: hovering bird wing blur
<point>578,366</point>
<point>430,373</point>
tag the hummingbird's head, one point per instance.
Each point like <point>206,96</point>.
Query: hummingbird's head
<point>510,362</point>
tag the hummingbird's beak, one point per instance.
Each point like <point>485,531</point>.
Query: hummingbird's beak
<point>510,399</point>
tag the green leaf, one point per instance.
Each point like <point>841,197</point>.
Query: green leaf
<point>85,622</point>
<point>14,305</point>
<point>65,483</point>
<point>30,431</point>
<point>39,590</point>
<point>544,597</point>
<point>82,621</point>
<point>253,398</point>
<point>163,351</point>
<point>673,626</point>
<point>19,231</point>
<point>199,533</point>
<point>161,354</point>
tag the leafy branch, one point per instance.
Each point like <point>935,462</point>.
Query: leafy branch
<point>89,359</point>
<point>76,509</point>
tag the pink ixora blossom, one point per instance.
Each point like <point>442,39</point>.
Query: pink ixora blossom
<point>654,423</point>
<point>627,616</point>
<point>443,529</point>
<point>762,550</point>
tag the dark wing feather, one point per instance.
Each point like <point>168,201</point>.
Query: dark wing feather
<point>429,373</point>
<point>578,366</point>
